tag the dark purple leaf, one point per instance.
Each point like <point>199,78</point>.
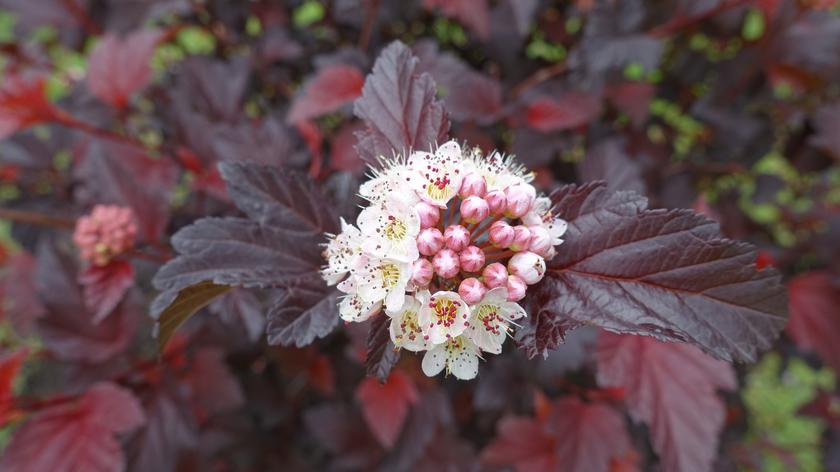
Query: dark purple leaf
<point>170,428</point>
<point>17,284</point>
<point>472,13</point>
<point>330,88</point>
<point>398,105</point>
<point>814,319</point>
<point>668,274</point>
<point>304,312</point>
<point>609,161</point>
<point>342,432</point>
<point>673,388</point>
<point>382,355</point>
<point>241,308</point>
<point>105,286</point>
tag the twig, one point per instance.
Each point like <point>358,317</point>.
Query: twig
<point>677,24</point>
<point>538,77</point>
<point>40,219</point>
<point>81,15</point>
<point>367,29</point>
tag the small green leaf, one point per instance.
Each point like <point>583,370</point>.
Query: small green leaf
<point>753,27</point>
<point>308,13</point>
<point>186,304</point>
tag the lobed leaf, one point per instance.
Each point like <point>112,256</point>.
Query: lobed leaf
<point>672,388</point>
<point>382,355</point>
<point>814,319</point>
<point>385,406</point>
<point>186,303</point>
<point>399,106</point>
<point>307,311</point>
<point>330,88</point>
<point>118,67</point>
<point>105,286</point>
<point>668,274</point>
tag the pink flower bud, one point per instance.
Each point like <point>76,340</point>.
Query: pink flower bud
<point>519,198</point>
<point>474,209</point>
<point>429,241</point>
<point>540,240</point>
<point>472,259</point>
<point>472,290</point>
<point>446,263</point>
<point>473,185</point>
<point>495,275</point>
<point>501,234</point>
<point>106,232</point>
<point>527,266</point>
<point>521,238</point>
<point>422,272</point>
<point>429,214</point>
<point>516,288</point>
<point>496,201</point>
<point>457,237</point>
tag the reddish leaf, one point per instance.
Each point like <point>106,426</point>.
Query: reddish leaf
<point>23,103</point>
<point>170,428</point>
<point>68,330</point>
<point>567,111</point>
<point>9,367</point>
<point>398,105</point>
<point>212,386</point>
<point>472,13</point>
<point>664,273</point>
<point>118,67</point>
<point>342,154</point>
<point>632,98</point>
<point>331,88</point>
<point>571,436</point>
<point>385,405</point>
<point>672,388</point>
<point>814,318</point>
<point>77,435</point>
<point>105,286</point>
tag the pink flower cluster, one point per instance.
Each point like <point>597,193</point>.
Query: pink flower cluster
<point>450,242</point>
<point>106,232</point>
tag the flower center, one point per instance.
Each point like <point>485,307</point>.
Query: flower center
<point>445,311</point>
<point>395,229</point>
<point>489,317</point>
<point>409,327</point>
<point>390,275</point>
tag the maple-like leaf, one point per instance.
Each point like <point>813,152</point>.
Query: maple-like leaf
<point>327,91</point>
<point>119,67</point>
<point>105,286</point>
<point>814,317</point>
<point>571,435</point>
<point>665,273</point>
<point>672,387</point>
<point>24,103</point>
<point>399,106</point>
<point>307,311</point>
<point>609,161</point>
<point>385,405</point>
<point>566,111</point>
<point>76,435</point>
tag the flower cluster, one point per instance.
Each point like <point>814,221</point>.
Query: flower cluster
<point>106,232</point>
<point>447,246</point>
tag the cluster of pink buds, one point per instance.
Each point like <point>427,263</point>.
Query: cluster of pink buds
<point>106,232</point>
<point>449,244</point>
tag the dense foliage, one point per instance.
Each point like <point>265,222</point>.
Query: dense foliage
<point>169,169</point>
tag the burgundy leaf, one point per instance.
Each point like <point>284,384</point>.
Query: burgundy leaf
<point>213,388</point>
<point>68,329</point>
<point>472,13</point>
<point>385,405</point>
<point>572,435</point>
<point>241,308</point>
<point>125,175</point>
<point>669,274</point>
<point>17,284</point>
<point>633,99</point>
<point>398,105</point>
<point>381,355</point>
<point>331,88</point>
<point>76,435</point>
<point>567,111</point>
<point>105,286</point>
<point>23,103</point>
<point>343,156</point>
<point>431,414</point>
<point>814,320</point>
<point>118,67</point>
<point>546,327</point>
<point>671,387</point>
<point>826,120</point>
<point>609,161</point>
<point>170,429</point>
<point>10,364</point>
<point>341,431</point>
<point>303,313</point>
<point>275,197</point>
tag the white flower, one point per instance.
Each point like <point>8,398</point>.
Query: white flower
<point>459,356</point>
<point>490,320</point>
<point>392,180</point>
<point>376,279</point>
<point>342,252</point>
<point>353,308</point>
<point>440,174</point>
<point>405,326</point>
<point>390,230</point>
<point>443,315</point>
<point>499,171</point>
